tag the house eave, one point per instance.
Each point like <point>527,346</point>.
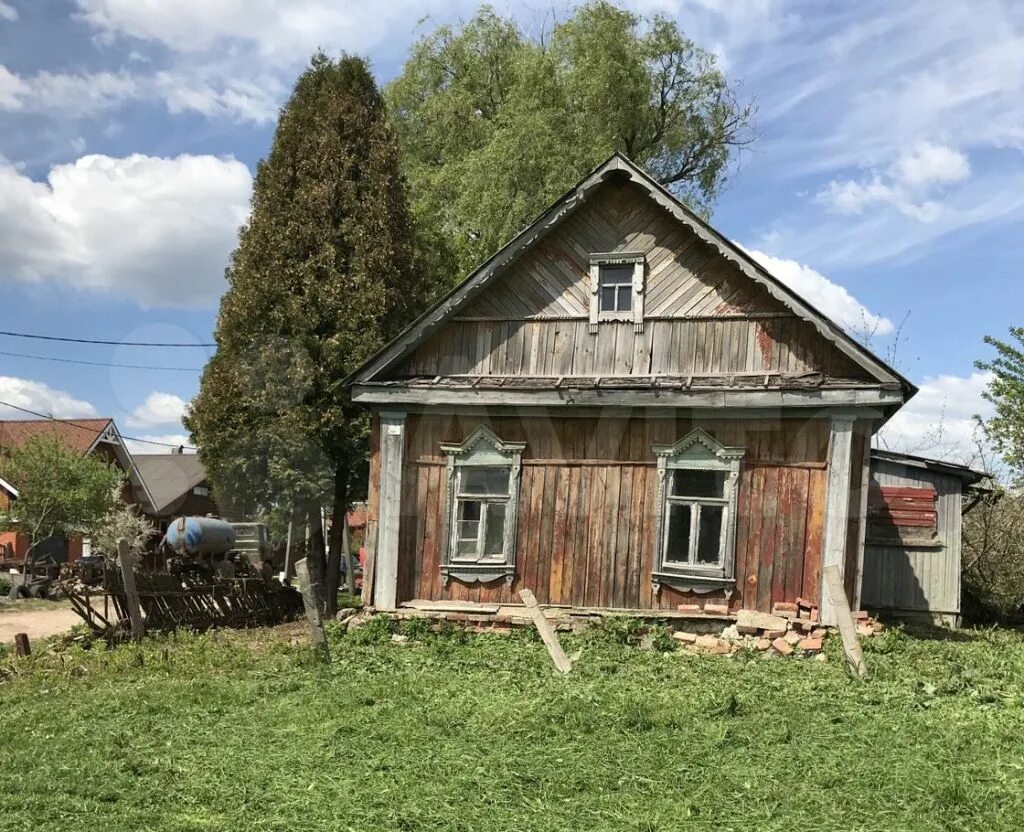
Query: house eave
<point>384,394</point>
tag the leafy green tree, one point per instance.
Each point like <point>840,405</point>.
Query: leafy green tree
<point>494,125</point>
<point>61,493</point>
<point>323,276</point>
<point>1006,393</point>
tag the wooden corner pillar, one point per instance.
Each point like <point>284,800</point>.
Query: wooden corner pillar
<point>837,506</point>
<point>392,449</point>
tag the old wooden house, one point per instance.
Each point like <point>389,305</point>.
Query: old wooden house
<point>621,409</point>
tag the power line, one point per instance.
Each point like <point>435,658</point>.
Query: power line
<point>93,430</point>
<point>107,343</point>
<point>101,363</point>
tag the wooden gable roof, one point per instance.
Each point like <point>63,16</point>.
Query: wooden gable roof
<point>731,282</point>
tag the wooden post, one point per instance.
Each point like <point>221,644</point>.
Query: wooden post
<point>837,506</point>
<point>311,601</point>
<point>844,620</point>
<point>21,645</point>
<point>346,556</point>
<point>370,562</point>
<point>127,563</point>
<point>547,632</point>
<point>288,551</point>
<point>392,448</point>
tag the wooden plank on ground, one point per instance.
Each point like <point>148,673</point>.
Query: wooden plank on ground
<point>547,632</point>
<point>126,561</point>
<point>844,620</point>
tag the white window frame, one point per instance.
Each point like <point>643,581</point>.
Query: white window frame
<point>617,258</point>
<point>697,451</point>
<point>482,449</point>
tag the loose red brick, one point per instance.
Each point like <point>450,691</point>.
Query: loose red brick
<point>792,638</point>
<point>785,609</point>
<point>689,608</point>
<point>803,602</point>
<point>810,645</point>
<point>745,630</point>
<point>763,643</point>
<point>773,634</point>
<point>780,645</point>
<point>686,638</point>
<point>865,630</point>
<point>716,609</point>
<point>819,633</point>
<point>814,614</point>
<point>860,615</point>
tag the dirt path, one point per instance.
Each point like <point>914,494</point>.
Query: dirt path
<point>38,621</point>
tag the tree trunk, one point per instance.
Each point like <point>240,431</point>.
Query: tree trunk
<point>339,507</point>
<point>315,560</point>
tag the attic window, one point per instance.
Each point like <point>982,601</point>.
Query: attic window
<point>617,288</point>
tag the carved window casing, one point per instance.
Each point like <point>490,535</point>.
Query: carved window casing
<point>698,481</point>
<point>483,499</point>
<point>617,288</point>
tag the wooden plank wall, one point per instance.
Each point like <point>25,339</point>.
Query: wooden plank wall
<point>703,316</point>
<point>670,347</point>
<point>586,525</point>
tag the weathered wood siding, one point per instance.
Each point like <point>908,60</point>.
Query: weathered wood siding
<point>702,315</point>
<point>585,531</point>
<point>924,579</point>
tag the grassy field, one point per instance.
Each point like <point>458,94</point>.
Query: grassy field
<point>244,732</point>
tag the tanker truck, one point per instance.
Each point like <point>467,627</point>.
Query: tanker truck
<point>214,546</point>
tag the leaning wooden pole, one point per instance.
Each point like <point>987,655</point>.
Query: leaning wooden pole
<point>126,561</point>
<point>547,632</point>
<point>311,601</point>
<point>844,620</point>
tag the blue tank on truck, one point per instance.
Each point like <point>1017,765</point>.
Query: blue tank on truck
<point>201,536</point>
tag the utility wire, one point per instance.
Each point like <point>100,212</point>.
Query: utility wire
<point>101,363</point>
<point>93,430</point>
<point>108,343</point>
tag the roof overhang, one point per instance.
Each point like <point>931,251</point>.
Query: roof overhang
<point>618,165</point>
<point>968,475</point>
<point>112,436</point>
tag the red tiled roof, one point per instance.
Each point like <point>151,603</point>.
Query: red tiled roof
<point>76,434</point>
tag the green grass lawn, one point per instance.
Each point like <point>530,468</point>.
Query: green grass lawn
<point>237,731</point>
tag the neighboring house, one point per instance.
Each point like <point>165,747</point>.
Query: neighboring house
<point>178,484</point>
<point>99,437</point>
<point>621,409</point>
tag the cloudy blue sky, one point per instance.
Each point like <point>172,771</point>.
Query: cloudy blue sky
<point>886,183</point>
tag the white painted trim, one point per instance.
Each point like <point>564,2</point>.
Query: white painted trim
<point>112,436</point>
<point>6,486</point>
<point>837,507</point>
<point>389,514</point>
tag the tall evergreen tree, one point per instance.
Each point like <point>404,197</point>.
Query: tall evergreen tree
<point>323,276</point>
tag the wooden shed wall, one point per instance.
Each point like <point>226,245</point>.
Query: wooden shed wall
<point>586,525</point>
<point>917,579</point>
<point>703,316</point>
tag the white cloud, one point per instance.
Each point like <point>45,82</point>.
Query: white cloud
<point>153,229</point>
<point>8,12</point>
<point>165,443</point>
<point>68,93</point>
<point>908,185</point>
<point>41,398</point>
<point>831,298</point>
<point>158,409</point>
<point>939,421</point>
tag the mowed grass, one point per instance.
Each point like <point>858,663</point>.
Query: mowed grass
<point>233,731</point>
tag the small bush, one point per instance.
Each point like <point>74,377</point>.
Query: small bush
<point>378,630</point>
<point>416,629</point>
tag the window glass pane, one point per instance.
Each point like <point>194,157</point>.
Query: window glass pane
<point>687,482</point>
<point>614,275</point>
<point>608,299</point>
<point>494,534</point>
<point>625,298</point>
<point>677,548</point>
<point>468,526</point>
<point>476,480</point>
<point>709,533</point>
